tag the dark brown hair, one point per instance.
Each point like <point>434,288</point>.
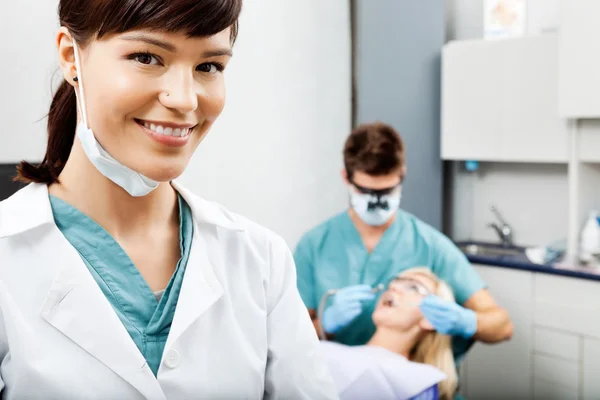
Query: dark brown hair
<point>94,19</point>
<point>375,149</point>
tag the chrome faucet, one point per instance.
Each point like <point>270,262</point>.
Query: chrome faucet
<point>504,231</point>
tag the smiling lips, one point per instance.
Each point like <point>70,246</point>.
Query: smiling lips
<point>167,129</point>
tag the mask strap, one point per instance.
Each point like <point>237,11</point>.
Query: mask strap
<point>80,81</point>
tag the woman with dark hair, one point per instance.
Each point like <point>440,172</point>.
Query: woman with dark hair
<point>117,283</point>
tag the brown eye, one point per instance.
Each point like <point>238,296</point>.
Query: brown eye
<point>146,59</point>
<point>210,68</point>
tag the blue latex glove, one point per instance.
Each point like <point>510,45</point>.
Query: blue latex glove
<point>347,305</point>
<point>448,317</point>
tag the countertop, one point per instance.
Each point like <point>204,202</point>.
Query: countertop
<point>521,262</point>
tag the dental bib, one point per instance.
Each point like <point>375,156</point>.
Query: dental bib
<point>134,183</point>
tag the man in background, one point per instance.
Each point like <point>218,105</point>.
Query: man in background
<point>374,240</point>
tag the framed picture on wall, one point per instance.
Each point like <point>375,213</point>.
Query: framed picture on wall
<point>504,18</point>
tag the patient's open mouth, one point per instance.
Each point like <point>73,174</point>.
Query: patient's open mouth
<point>389,301</point>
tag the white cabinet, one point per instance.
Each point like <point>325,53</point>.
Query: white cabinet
<point>503,371</point>
<point>589,140</point>
<point>567,304</point>
<point>555,349</point>
<point>500,101</point>
<point>591,368</point>
<point>556,364</point>
<point>471,101</point>
<point>556,344</point>
<point>579,59</point>
<point>547,390</point>
<point>562,374</point>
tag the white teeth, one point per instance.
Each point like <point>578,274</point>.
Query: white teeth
<point>168,131</point>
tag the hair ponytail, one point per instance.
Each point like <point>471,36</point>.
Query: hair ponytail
<point>62,122</point>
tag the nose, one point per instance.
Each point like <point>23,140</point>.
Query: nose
<point>180,92</point>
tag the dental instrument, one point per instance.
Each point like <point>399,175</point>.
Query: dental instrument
<point>323,302</point>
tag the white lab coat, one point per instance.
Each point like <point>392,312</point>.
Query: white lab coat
<point>369,372</point>
<point>240,329</point>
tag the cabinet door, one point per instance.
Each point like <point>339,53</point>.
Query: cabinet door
<point>563,375</point>
<point>579,59</point>
<point>589,140</point>
<point>471,100</point>
<point>568,305</point>
<point>591,368</point>
<point>500,101</point>
<point>503,371</point>
<point>531,127</point>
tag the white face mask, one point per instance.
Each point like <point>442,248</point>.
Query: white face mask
<point>374,210</point>
<point>134,183</point>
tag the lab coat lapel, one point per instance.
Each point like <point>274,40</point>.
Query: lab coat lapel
<point>76,306</point>
<point>200,289</point>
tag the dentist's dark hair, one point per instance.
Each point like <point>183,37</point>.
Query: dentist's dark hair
<point>89,20</point>
<point>375,149</point>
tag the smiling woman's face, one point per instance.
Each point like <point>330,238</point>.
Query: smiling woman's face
<point>151,97</point>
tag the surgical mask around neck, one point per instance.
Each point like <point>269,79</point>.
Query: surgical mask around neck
<point>134,183</point>
<point>375,209</point>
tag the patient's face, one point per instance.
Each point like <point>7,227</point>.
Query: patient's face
<point>398,307</point>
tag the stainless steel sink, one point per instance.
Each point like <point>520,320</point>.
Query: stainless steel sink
<point>481,249</point>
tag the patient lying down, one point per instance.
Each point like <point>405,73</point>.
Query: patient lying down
<point>405,358</point>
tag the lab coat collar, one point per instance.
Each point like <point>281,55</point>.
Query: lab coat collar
<point>201,288</point>
<point>30,208</point>
<point>77,308</point>
<point>206,212</point>
<point>25,210</point>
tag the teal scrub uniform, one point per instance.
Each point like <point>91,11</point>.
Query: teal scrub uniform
<point>333,256</point>
<point>146,316</point>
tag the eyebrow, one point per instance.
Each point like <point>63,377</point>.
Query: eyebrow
<point>150,40</point>
<point>171,48</point>
<point>217,53</point>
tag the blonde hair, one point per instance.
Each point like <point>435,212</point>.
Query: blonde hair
<point>434,348</point>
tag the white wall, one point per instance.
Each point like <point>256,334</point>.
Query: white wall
<point>28,63</point>
<point>275,154</point>
<point>533,199</point>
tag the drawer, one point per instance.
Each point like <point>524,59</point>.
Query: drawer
<point>591,369</point>
<point>543,390</point>
<point>556,370</point>
<point>558,344</point>
<point>566,304</point>
<point>568,318</point>
<point>561,290</point>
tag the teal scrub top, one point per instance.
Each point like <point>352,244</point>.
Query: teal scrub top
<point>147,316</point>
<point>333,256</point>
